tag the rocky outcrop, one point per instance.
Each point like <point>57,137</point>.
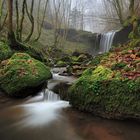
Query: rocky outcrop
<point>122,36</point>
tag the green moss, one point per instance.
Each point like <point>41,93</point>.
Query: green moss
<point>99,58</point>
<point>5,51</point>
<point>21,56</point>
<point>134,43</point>
<point>61,63</point>
<point>74,58</point>
<point>118,66</point>
<point>82,58</point>
<point>128,69</point>
<point>99,93</point>
<point>101,73</point>
<point>22,71</point>
<point>87,72</point>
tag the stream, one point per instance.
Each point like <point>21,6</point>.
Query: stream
<point>46,117</point>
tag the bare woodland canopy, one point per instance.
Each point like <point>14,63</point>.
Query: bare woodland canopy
<point>91,15</point>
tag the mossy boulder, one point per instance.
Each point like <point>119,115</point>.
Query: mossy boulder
<point>61,63</point>
<point>22,75</point>
<point>5,51</point>
<point>105,93</point>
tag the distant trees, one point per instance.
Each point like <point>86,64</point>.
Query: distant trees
<point>76,19</point>
<point>134,19</point>
<point>24,19</point>
<point>117,10</point>
<point>131,14</point>
<point>24,24</point>
<point>40,24</point>
<point>124,8</point>
<point>16,14</point>
<point>27,11</point>
<point>77,15</point>
<point>3,15</point>
<point>59,15</point>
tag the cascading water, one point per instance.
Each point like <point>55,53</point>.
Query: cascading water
<point>43,109</point>
<point>106,41</point>
<point>50,96</point>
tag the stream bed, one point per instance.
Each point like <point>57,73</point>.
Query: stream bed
<point>47,117</point>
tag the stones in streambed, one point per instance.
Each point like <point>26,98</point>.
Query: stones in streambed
<point>75,64</point>
<point>22,75</point>
<point>62,89</point>
<point>104,92</point>
<point>5,51</point>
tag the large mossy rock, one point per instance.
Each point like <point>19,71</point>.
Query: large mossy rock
<point>22,75</point>
<point>105,93</point>
<point>5,51</point>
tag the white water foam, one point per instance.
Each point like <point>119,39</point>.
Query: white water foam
<point>44,112</point>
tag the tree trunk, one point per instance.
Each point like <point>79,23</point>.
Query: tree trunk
<point>14,44</point>
<point>132,8</point>
<point>11,35</point>
<point>135,18</point>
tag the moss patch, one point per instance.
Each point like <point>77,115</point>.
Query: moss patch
<point>22,71</point>
<point>5,51</point>
<point>106,94</point>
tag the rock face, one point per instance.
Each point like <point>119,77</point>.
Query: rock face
<point>122,36</point>
<point>62,90</point>
<point>5,51</point>
<point>22,75</point>
<point>112,88</point>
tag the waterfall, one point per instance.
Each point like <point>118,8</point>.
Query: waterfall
<point>51,96</point>
<point>106,41</point>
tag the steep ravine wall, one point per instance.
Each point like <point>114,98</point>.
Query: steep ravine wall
<point>122,35</point>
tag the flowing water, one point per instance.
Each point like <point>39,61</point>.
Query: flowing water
<point>106,41</point>
<point>47,117</point>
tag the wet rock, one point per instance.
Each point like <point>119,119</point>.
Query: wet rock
<point>62,90</point>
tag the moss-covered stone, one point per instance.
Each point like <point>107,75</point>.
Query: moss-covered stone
<point>22,72</point>
<point>5,51</point>
<point>96,61</point>
<point>61,63</point>
<point>105,93</point>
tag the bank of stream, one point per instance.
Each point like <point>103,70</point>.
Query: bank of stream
<point>47,117</point>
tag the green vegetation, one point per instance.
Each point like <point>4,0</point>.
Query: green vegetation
<point>119,65</point>
<point>110,88</point>
<point>102,95</point>
<point>5,51</point>
<point>20,72</point>
<point>61,63</point>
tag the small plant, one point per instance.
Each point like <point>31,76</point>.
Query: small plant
<point>118,66</point>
